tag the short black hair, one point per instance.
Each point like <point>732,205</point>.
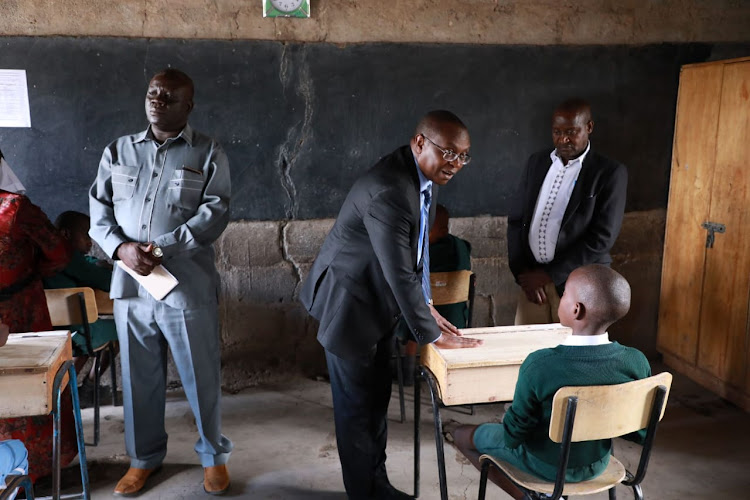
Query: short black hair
<point>72,221</point>
<point>432,120</point>
<point>576,105</point>
<point>604,293</point>
<point>179,77</point>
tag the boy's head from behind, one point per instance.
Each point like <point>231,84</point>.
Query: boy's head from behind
<point>74,226</point>
<point>595,297</point>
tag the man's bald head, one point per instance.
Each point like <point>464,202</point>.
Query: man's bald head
<point>604,293</point>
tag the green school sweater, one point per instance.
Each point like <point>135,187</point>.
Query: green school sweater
<point>543,372</point>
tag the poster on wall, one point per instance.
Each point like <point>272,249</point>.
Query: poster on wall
<point>14,99</point>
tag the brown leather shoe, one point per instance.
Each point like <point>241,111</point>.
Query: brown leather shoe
<point>216,479</point>
<point>132,482</point>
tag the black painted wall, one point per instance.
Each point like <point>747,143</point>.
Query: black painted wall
<point>301,121</point>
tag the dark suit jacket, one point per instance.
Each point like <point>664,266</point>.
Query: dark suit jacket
<point>591,222</point>
<point>366,275</point>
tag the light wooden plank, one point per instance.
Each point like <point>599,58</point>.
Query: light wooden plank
<point>64,307</point>
<point>612,475</point>
<point>104,305</point>
<point>450,287</point>
<point>726,290</point>
<point>28,364</point>
<point>608,411</point>
<point>30,352</point>
<point>693,158</point>
<point>488,373</point>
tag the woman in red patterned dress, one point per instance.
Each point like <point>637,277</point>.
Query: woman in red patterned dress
<point>30,247</point>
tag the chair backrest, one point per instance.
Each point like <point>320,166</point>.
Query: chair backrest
<point>65,308</point>
<point>104,305</point>
<point>608,411</point>
<point>450,287</point>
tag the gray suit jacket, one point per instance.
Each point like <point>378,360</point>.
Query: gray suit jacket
<point>366,273</point>
<point>176,196</point>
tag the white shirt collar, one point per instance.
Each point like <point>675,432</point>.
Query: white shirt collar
<point>8,180</point>
<point>579,340</point>
<point>553,156</point>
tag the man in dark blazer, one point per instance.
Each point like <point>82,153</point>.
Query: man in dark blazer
<point>568,213</point>
<point>368,277</point>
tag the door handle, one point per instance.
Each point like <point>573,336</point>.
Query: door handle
<point>712,228</point>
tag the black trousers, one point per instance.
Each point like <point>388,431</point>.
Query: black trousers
<point>361,390</point>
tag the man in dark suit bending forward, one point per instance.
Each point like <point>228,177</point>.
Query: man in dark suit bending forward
<point>372,272</point>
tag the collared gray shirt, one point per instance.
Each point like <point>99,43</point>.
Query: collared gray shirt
<point>176,195</point>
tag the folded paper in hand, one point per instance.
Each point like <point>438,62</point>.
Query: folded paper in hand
<point>159,283</point>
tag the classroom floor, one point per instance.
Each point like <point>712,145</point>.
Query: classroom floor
<point>285,448</point>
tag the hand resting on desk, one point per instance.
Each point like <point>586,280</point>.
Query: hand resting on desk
<point>451,338</point>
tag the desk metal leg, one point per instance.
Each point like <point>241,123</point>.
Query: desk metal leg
<point>417,406</point>
<point>97,381</point>
<point>439,444</point>
<point>113,371</point>
<point>68,368</point>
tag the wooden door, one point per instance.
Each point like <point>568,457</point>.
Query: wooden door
<point>693,158</point>
<point>722,341</point>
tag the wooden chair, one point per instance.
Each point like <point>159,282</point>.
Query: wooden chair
<point>593,413</point>
<point>78,306</point>
<point>14,481</point>
<point>454,287</point>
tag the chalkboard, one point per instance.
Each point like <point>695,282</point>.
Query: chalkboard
<point>301,121</point>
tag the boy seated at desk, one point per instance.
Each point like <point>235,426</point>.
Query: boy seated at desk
<point>82,271</point>
<point>595,297</point>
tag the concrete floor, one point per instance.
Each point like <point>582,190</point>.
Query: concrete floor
<point>285,448</point>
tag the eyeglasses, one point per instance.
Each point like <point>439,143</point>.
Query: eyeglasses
<point>449,155</point>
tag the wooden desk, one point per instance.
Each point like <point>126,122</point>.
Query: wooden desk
<point>34,370</point>
<point>28,364</point>
<point>484,374</point>
<point>488,373</point>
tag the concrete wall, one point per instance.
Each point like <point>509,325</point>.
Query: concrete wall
<point>266,333</point>
<point>535,22</point>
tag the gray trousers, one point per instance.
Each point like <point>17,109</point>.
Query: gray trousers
<point>145,328</point>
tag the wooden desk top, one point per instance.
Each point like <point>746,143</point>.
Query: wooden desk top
<point>503,345</point>
<point>28,365</point>
<point>488,373</point>
<point>27,353</point>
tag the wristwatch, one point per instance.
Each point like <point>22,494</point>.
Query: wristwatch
<point>157,252</point>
